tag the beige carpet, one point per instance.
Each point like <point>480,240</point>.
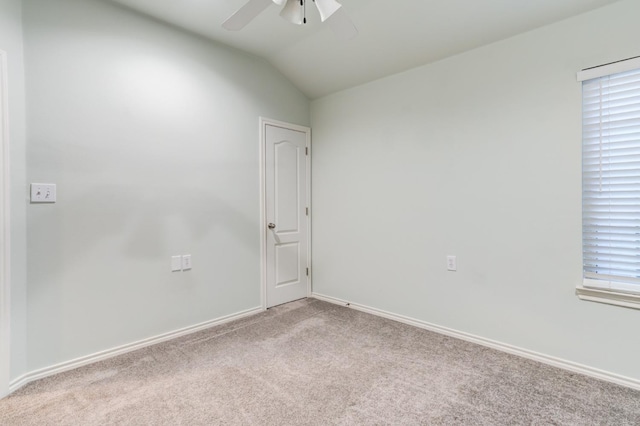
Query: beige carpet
<point>312,363</point>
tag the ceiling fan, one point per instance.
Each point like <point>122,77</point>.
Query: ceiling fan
<point>295,11</point>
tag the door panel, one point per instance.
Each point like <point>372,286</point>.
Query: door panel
<point>286,197</point>
<point>287,183</point>
<point>287,264</point>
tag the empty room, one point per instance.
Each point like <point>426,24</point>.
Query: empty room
<point>294,212</point>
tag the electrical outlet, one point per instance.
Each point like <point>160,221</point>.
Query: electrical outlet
<point>452,263</point>
<point>186,262</point>
<point>43,192</point>
<point>176,263</point>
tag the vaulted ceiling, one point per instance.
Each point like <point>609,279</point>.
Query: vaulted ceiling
<point>394,35</point>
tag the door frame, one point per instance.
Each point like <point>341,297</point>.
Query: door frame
<point>5,301</point>
<point>263,202</point>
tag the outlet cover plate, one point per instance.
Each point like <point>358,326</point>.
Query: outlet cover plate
<point>452,263</point>
<point>186,262</point>
<point>176,263</point>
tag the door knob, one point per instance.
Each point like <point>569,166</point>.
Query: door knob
<point>272,226</point>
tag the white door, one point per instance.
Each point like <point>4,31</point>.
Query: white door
<point>286,213</point>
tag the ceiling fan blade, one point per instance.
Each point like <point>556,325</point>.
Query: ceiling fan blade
<point>246,14</point>
<point>293,12</point>
<point>342,25</point>
<point>327,8</point>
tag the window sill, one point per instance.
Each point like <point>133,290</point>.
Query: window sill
<point>609,297</point>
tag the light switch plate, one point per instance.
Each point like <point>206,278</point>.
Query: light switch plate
<point>176,263</point>
<point>186,262</point>
<point>43,192</point>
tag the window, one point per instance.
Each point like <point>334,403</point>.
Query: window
<point>611,183</point>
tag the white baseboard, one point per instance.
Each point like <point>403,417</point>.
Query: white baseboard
<point>110,353</point>
<point>514,350</point>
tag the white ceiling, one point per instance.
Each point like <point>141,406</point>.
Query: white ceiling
<point>394,35</point>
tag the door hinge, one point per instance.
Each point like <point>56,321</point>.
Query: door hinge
<point>306,150</point>
<point>307,211</point>
<point>307,271</point>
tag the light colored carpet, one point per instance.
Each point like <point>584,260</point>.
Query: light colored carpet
<point>312,363</point>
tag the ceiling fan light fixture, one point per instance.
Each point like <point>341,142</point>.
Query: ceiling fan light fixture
<point>327,8</point>
<point>293,12</point>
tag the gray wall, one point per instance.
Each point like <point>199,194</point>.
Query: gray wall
<point>11,42</point>
<point>151,135</point>
<point>477,156</point>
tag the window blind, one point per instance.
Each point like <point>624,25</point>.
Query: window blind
<point>611,181</point>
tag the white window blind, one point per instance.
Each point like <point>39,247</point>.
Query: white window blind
<point>611,181</point>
